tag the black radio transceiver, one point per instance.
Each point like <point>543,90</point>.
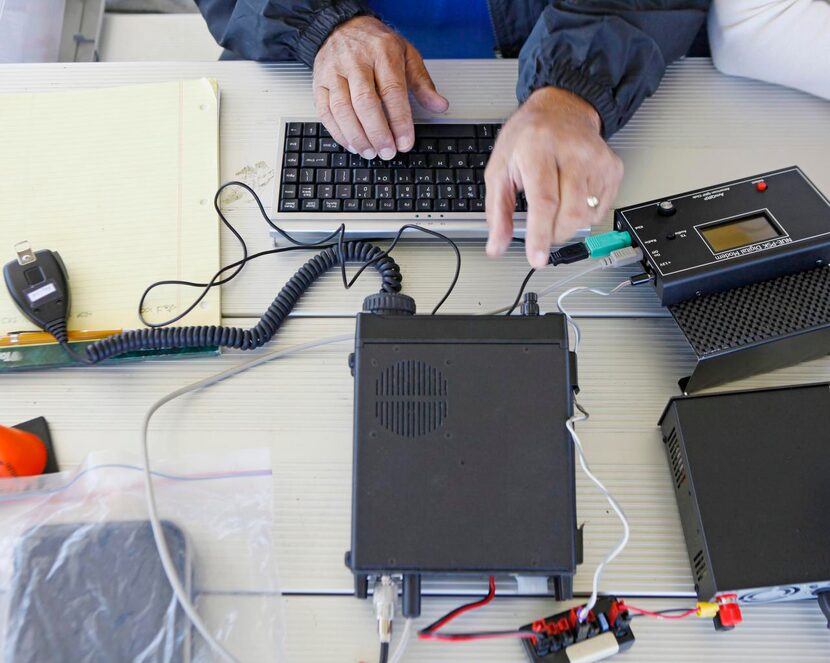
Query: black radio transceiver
<point>732,234</point>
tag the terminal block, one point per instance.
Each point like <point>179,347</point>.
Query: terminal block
<point>562,638</point>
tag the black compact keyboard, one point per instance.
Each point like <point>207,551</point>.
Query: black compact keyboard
<point>444,172</point>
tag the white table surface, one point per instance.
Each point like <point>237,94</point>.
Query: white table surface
<point>699,129</point>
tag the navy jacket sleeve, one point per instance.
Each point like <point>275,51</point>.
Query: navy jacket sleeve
<point>269,30</point>
<point>612,53</point>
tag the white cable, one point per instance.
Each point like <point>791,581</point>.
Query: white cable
<point>569,424</point>
<point>582,288</point>
<point>161,543</point>
<point>593,266</point>
<point>404,641</point>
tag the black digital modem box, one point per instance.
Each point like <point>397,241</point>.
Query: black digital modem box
<point>751,472</point>
<point>462,461</point>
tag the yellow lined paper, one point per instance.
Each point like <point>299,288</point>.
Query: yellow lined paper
<point>120,181</point>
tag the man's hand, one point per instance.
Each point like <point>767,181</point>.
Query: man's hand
<point>361,76</point>
<point>552,149</point>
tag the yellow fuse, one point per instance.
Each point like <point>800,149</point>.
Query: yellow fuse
<point>705,609</point>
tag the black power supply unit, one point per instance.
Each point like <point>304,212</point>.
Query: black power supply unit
<point>462,461</point>
<point>750,471</point>
<point>742,267</point>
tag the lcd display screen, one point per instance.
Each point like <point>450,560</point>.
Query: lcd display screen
<point>739,232</point>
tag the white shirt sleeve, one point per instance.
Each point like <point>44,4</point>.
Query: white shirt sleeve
<point>779,41</point>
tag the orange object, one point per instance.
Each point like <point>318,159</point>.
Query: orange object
<point>22,454</point>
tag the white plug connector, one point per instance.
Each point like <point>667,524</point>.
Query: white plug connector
<point>622,257</point>
<point>384,597</point>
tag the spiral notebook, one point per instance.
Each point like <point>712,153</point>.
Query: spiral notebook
<point>120,181</point>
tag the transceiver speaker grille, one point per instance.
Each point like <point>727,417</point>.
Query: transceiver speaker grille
<point>411,398</point>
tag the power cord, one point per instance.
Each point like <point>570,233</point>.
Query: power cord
<point>152,509</point>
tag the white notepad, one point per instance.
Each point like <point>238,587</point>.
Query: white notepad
<point>120,181</point>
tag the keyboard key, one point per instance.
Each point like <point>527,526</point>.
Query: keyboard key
<point>325,191</point>
<point>292,144</point>
<point>479,175</point>
<point>417,161</point>
<point>306,191</point>
<point>477,205</point>
<point>387,205</point>
<point>324,132</point>
<point>427,145</point>
<point>458,161</point>
<point>439,130</point>
<point>363,191</point>
<point>357,161</point>
<point>351,205</point>
<point>485,145</point>
<point>307,175</point>
<point>444,176</point>
<point>404,191</point>
<point>309,145</point>
<point>377,162</point>
<point>468,191</point>
<point>329,145</point>
<point>400,161</point>
<point>423,205</point>
<point>477,160</point>
<point>312,205</point>
<point>289,205</point>
<point>342,176</point>
<point>324,175</point>
<point>332,205</point>
<point>289,175</point>
<point>314,160</point>
<point>383,176</point>
<point>291,160</point>
<point>340,160</point>
<point>424,176</point>
<point>446,191</point>
<point>447,145</point>
<point>425,191</point>
<point>438,160</point>
<point>484,131</point>
<point>310,129</point>
<point>383,191</point>
<point>442,205</point>
<point>468,145</point>
<point>343,190</point>
<point>368,205</point>
<point>288,191</point>
<point>406,205</point>
<point>294,129</point>
<point>404,176</point>
<point>361,176</point>
<point>465,176</point>
<point>460,205</point>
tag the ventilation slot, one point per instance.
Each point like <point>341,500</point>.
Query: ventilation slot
<point>678,468</point>
<point>699,565</point>
<point>411,398</point>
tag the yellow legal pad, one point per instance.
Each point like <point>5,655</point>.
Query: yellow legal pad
<point>120,181</point>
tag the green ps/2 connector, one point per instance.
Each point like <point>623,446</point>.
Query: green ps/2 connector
<point>604,244</point>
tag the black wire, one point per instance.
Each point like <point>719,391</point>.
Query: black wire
<point>384,652</point>
<point>326,242</point>
<point>521,292</point>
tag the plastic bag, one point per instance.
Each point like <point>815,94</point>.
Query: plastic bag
<point>81,575</point>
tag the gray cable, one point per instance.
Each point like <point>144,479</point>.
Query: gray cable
<point>404,641</point>
<point>158,536</point>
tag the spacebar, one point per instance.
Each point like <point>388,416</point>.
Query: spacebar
<point>445,130</point>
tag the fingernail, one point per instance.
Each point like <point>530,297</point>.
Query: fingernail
<point>540,259</point>
<point>368,154</point>
<point>351,149</point>
<point>387,153</point>
<point>404,143</point>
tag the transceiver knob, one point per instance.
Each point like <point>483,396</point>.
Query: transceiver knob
<point>666,208</point>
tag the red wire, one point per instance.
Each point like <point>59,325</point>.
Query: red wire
<point>660,615</point>
<point>429,633</point>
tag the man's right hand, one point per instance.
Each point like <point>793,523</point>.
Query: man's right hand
<point>361,76</point>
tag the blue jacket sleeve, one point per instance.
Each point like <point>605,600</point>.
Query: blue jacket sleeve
<point>612,53</point>
<point>270,30</point>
